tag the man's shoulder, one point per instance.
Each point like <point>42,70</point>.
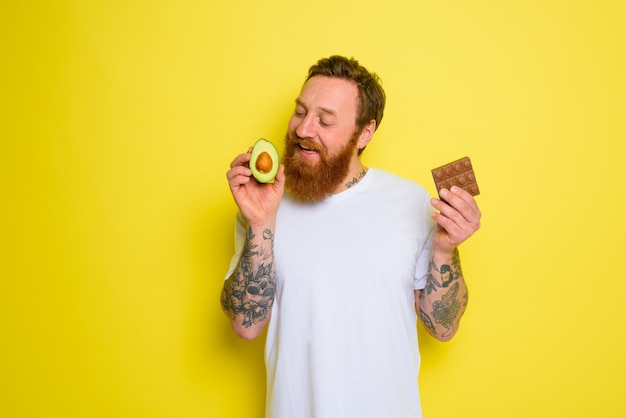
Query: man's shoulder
<point>387,179</point>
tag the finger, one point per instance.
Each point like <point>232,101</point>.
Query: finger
<point>454,221</point>
<point>455,233</point>
<point>448,211</point>
<point>241,159</point>
<point>451,227</point>
<point>467,197</point>
<point>280,176</point>
<point>238,175</point>
<point>461,201</point>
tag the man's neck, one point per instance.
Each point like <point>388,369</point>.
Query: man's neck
<point>355,175</point>
<point>356,178</point>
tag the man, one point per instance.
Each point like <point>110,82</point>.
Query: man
<point>340,259</point>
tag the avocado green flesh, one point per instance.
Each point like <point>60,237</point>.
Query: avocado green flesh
<point>261,146</point>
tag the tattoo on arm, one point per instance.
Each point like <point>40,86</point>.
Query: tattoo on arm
<point>427,321</point>
<point>447,273</point>
<point>445,310</point>
<point>248,292</point>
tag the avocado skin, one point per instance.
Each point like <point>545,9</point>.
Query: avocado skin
<point>263,145</point>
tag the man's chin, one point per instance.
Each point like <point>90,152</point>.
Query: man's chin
<point>306,183</point>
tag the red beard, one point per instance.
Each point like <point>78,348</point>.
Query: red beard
<point>311,183</point>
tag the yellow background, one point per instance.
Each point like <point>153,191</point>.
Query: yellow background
<point>119,120</point>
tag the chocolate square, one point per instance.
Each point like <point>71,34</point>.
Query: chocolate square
<point>457,173</point>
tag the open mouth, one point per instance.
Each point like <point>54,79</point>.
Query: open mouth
<point>308,147</point>
<point>308,150</point>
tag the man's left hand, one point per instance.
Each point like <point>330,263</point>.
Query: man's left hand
<point>458,217</point>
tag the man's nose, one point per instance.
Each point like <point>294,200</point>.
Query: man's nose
<point>306,127</point>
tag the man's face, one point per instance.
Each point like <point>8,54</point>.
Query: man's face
<point>322,140</point>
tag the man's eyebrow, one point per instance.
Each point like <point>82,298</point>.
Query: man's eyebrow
<point>327,110</point>
<point>322,109</point>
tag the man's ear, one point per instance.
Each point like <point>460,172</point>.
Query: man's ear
<point>366,134</point>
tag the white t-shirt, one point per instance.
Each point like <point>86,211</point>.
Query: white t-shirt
<point>342,339</point>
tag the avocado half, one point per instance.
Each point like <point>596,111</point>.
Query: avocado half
<point>264,161</point>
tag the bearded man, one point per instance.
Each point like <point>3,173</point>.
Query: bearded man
<point>339,260</point>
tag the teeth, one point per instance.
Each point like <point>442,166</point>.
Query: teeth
<point>308,146</point>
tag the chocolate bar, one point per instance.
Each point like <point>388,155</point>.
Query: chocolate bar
<point>457,173</point>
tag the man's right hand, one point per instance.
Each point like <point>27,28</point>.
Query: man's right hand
<point>258,202</point>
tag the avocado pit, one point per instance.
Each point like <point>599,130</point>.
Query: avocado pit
<point>264,162</point>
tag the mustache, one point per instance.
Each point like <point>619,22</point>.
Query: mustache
<point>293,142</point>
<point>309,145</point>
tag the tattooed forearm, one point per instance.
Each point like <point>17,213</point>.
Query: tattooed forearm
<point>442,276</point>
<point>428,323</point>
<point>445,311</point>
<point>445,296</point>
<point>249,292</point>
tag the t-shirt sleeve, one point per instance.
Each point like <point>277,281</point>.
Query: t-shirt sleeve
<point>240,239</point>
<point>423,259</point>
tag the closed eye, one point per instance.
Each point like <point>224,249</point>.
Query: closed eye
<point>300,110</point>
<point>324,123</point>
